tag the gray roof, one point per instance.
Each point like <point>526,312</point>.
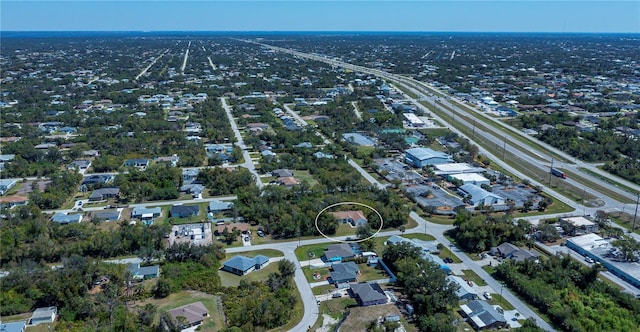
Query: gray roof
<point>368,292</point>
<point>344,271</point>
<point>192,188</point>
<point>107,215</point>
<point>358,139</point>
<point>485,312</point>
<point>243,263</point>
<point>139,211</point>
<point>63,218</point>
<point>477,193</point>
<point>507,248</point>
<point>281,172</point>
<point>426,153</point>
<point>7,157</point>
<point>185,209</point>
<point>194,312</point>
<point>220,206</point>
<point>339,250</point>
<point>99,193</point>
<point>13,326</point>
<point>464,288</point>
<point>45,312</point>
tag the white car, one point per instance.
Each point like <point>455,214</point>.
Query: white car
<point>486,295</point>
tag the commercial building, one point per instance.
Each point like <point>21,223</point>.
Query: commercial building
<point>421,157</point>
<point>600,250</point>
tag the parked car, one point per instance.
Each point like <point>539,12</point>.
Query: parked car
<point>588,260</point>
<point>336,295</point>
<point>486,295</point>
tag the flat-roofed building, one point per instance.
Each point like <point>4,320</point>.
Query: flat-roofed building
<point>472,178</point>
<point>456,168</point>
<point>583,224</point>
<point>600,250</point>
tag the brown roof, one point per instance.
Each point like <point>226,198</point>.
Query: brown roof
<point>194,312</point>
<point>288,180</point>
<point>13,199</point>
<point>353,215</point>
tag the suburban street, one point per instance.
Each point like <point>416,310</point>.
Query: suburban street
<point>248,163</point>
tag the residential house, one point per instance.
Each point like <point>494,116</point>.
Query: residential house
<point>288,181</point>
<point>63,218</point>
<point>91,153</point>
<point>138,163</point>
<point>355,218</point>
<point>193,314</point>
<point>358,139</point>
<point>107,215</point>
<point>198,234</point>
<point>241,265</point>
<point>43,315</point>
<point>172,160</point>
<point>80,165</point>
<point>482,316</point>
<point>143,272</point>
<point>95,179</point>
<point>368,294</point>
<point>184,211</point>
<point>13,201</point>
<point>344,272</point>
<point>146,215</point>
<point>464,292</point>
<point>104,194</point>
<point>504,250</point>
<point>509,251</point>
<point>338,252</point>
<point>193,189</point>
<point>322,155</point>
<point>19,326</point>
<point>480,196</point>
<point>6,185</point>
<point>219,206</point>
<point>282,173</point>
<point>421,157</point>
<point>189,175</point>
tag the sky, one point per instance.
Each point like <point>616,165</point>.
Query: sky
<point>569,16</point>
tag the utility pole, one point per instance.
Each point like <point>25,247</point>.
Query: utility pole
<point>550,172</point>
<point>584,208</point>
<point>504,147</point>
<point>635,214</point>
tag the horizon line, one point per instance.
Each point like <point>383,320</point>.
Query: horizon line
<point>316,31</point>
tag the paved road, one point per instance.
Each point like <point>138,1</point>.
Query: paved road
<point>248,163</point>
<point>437,231</point>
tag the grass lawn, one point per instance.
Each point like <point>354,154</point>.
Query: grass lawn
<point>305,176</point>
<point>308,273</point>
<point>437,219</point>
<point>345,230</point>
<point>336,308</point>
<point>311,251</point>
<point>419,236</point>
<point>324,289</point>
<point>470,275</point>
<point>214,322</point>
<point>445,252</point>
<point>229,279</point>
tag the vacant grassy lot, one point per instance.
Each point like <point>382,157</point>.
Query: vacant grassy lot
<point>360,317</point>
